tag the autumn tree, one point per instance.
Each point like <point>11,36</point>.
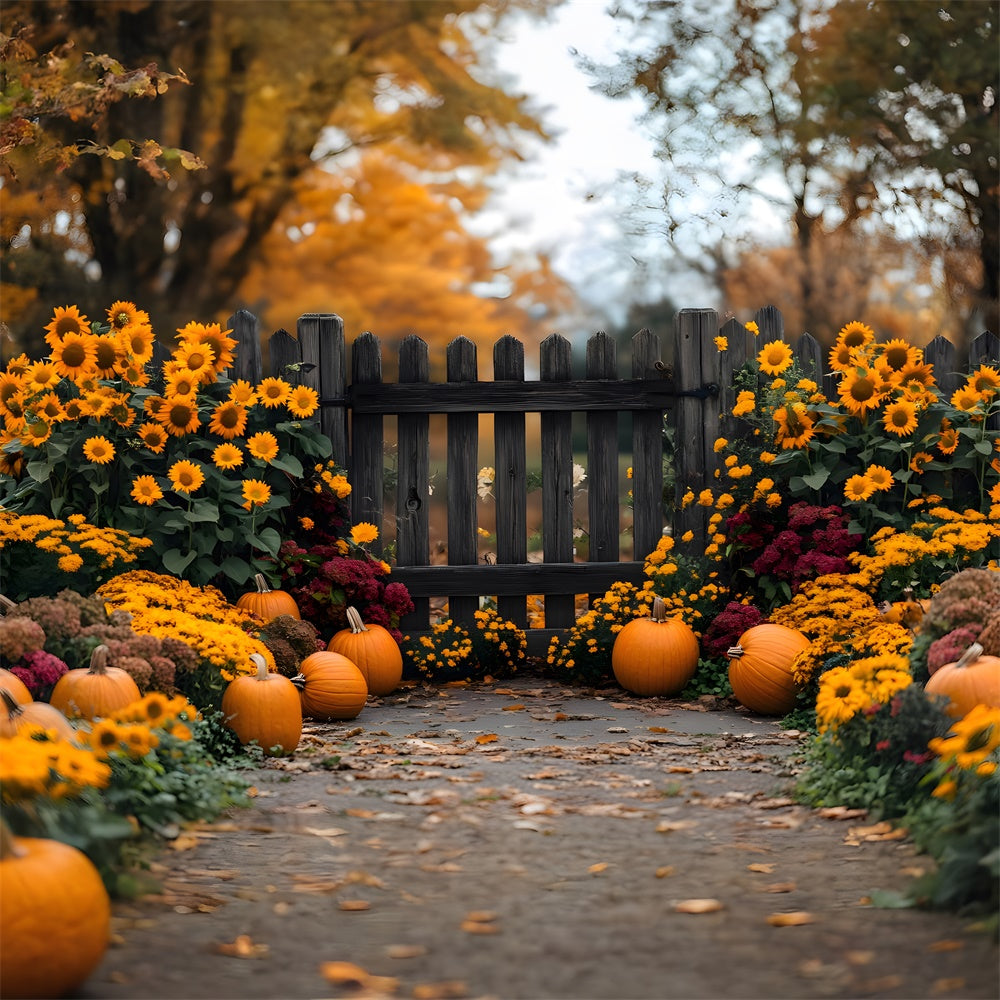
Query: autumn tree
<point>820,118</point>
<point>276,89</point>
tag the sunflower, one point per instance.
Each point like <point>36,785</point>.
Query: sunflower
<point>153,436</point>
<point>103,738</point>
<point>50,407</point>
<point>135,374</point>
<point>839,699</point>
<point>302,401</point>
<point>185,476</point>
<point>966,399</point>
<point>859,392</point>
<point>123,314</point>
<point>227,456</point>
<point>146,491</point>
<point>36,432</point>
<point>98,450</point>
<point>197,359</point>
<point>74,355</point>
<point>795,426</point>
<point>919,461</point>
<point>898,354</point>
<point>273,392</point>
<point>948,440</point>
<point>229,420</point>
<point>263,445</point>
<point>107,360</point>
<point>900,418</point>
<point>880,477</point>
<point>858,488</point>
<point>242,392</point>
<point>179,381</point>
<point>120,411</point>
<point>920,373</point>
<point>255,492</point>
<point>212,336</point>
<point>136,342</point>
<point>65,319</point>
<point>41,376</point>
<point>774,357</point>
<point>10,385</point>
<point>856,335</point>
<point>984,379</point>
<point>842,357</point>
<point>179,415</point>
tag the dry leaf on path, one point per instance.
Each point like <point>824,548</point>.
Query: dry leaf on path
<point>949,944</point>
<point>487,738</point>
<point>664,871</point>
<point>513,708</point>
<point>449,989</point>
<point>948,985</point>
<point>779,887</point>
<point>344,973</point>
<point>242,947</point>
<point>764,867</point>
<point>405,950</point>
<point>793,919</point>
<point>699,906</point>
<point>353,905</point>
<point>185,842</point>
<point>598,868</point>
<point>841,812</point>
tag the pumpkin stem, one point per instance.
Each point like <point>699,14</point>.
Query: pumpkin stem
<point>734,652</point>
<point>260,663</point>
<point>6,604</point>
<point>659,610</point>
<point>355,622</point>
<point>299,680</point>
<point>972,654</point>
<point>99,660</point>
<point>10,704</point>
<point>263,587</point>
<point>9,847</point>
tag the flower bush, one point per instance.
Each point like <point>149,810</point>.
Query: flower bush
<point>196,463</point>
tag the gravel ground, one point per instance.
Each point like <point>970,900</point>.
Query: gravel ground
<point>526,840</point>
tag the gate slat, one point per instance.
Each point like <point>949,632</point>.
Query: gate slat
<point>321,344</point>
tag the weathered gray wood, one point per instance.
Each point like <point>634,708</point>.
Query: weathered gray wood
<point>739,349</point>
<point>511,484</point>
<point>984,350</point>
<point>698,423</point>
<point>940,353</point>
<point>161,355</point>
<point>413,486</point>
<point>322,344</point>
<point>809,353</point>
<point>366,471</point>
<point>602,458</point>
<point>247,363</point>
<point>556,364</point>
<point>647,453</point>
<point>463,453</point>
<point>771,325</point>
<point>284,358</point>
<point>514,397</point>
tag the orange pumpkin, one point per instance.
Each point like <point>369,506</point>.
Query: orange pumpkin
<point>264,707</point>
<point>55,917</point>
<point>95,691</point>
<point>656,655</point>
<point>973,679</point>
<point>15,686</point>
<point>15,716</point>
<point>331,686</point>
<point>373,650</point>
<point>266,603</point>
<point>760,668</point>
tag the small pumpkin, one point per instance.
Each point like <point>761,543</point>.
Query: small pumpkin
<point>973,679</point>
<point>760,668</point>
<point>656,655</point>
<point>55,917</point>
<point>95,691</point>
<point>15,716</point>
<point>264,707</point>
<point>266,603</point>
<point>18,689</point>
<point>373,650</point>
<point>331,686</point>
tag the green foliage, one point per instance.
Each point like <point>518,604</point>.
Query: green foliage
<point>710,678</point>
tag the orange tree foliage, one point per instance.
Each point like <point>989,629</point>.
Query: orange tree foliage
<point>385,246</point>
<point>276,89</point>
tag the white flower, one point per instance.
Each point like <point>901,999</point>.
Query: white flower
<point>484,482</point>
<point>579,475</point>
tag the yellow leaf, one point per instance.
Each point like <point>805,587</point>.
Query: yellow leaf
<point>353,905</point>
<point>474,927</point>
<point>481,916</point>
<point>344,974</point>
<point>779,887</point>
<point>487,738</point>
<point>513,708</point>
<point>949,944</point>
<point>405,950</point>
<point>664,871</point>
<point>794,919</point>
<point>449,989</point>
<point>948,985</point>
<point>599,867</point>
<point>765,868</point>
<point>658,729</point>
<point>242,947</point>
<point>699,906</point>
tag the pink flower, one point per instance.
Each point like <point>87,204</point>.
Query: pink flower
<point>883,745</point>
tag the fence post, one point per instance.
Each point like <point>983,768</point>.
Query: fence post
<point>322,345</point>
<point>602,459</point>
<point>247,363</point>
<point>647,454</point>
<point>511,480</point>
<point>367,441</point>
<point>940,353</point>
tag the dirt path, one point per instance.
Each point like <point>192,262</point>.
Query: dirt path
<point>527,841</point>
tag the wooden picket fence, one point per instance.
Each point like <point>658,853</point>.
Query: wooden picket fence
<point>696,395</point>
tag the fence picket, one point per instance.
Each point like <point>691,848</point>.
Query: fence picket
<point>322,346</point>
<point>602,458</point>
<point>366,469</point>
<point>248,362</point>
<point>647,453</point>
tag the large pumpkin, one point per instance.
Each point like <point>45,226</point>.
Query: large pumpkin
<point>373,650</point>
<point>266,603</point>
<point>55,917</point>
<point>15,716</point>
<point>95,691</point>
<point>264,707</point>
<point>18,690</point>
<point>331,686</point>
<point>656,655</point>
<point>973,679</point>
<point>760,668</point>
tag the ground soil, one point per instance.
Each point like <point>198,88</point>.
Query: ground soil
<point>527,840</point>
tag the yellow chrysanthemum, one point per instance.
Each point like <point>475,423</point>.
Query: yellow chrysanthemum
<point>363,532</point>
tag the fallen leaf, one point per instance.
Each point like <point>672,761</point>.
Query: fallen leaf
<point>841,812</point>
<point>779,887</point>
<point>474,927</point>
<point>487,738</point>
<point>513,708</point>
<point>664,870</point>
<point>353,905</point>
<point>344,974</point>
<point>405,950</point>
<point>481,916</point>
<point>949,944</point>
<point>859,957</point>
<point>794,919</point>
<point>658,729</point>
<point>598,868</point>
<point>327,831</point>
<point>680,769</point>
<point>185,842</point>
<point>947,985</point>
<point>699,906</point>
<point>883,984</point>
<point>449,989</point>
<point>672,826</point>
<point>765,868</point>
<point>242,947</point>
<point>560,717</point>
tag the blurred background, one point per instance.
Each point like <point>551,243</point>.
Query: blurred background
<point>454,167</point>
